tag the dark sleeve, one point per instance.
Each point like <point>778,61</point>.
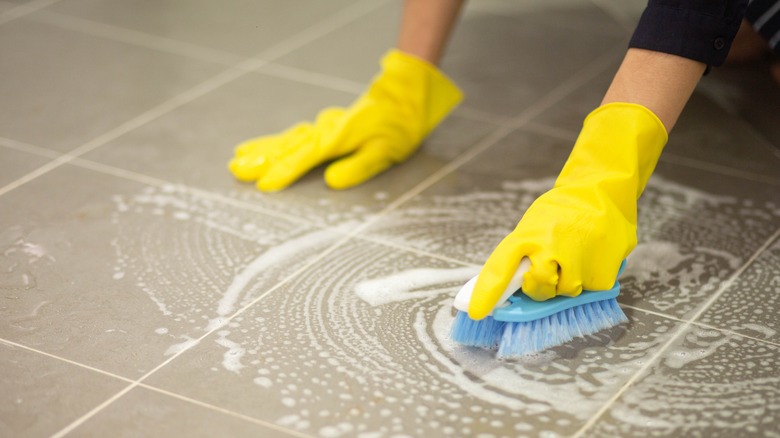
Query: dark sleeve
<point>701,30</point>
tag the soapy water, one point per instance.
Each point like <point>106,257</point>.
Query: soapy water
<point>709,384</point>
<point>361,345</point>
<point>18,255</point>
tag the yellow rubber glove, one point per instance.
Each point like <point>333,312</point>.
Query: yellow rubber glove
<point>577,234</point>
<point>384,126</point>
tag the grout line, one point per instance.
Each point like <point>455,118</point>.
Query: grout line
<point>25,9</point>
<point>311,78</point>
<point>132,124</point>
<point>699,324</point>
<point>733,333</point>
<point>476,115</point>
<point>67,429</point>
<point>551,131</point>
<point>137,38</point>
<point>334,21</point>
<point>766,142</point>
<point>153,181</point>
<point>226,321</point>
<point>34,174</point>
<point>680,331</point>
<point>666,157</point>
<point>416,251</point>
<point>504,129</point>
<point>225,411</point>
<point>295,74</point>
<point>62,359</point>
<point>320,29</point>
<point>180,48</point>
<point>331,23</point>
<point>28,148</point>
<point>718,168</point>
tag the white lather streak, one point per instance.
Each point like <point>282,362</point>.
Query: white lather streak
<point>272,257</point>
<point>679,333</point>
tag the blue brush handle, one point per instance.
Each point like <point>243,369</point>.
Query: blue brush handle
<point>524,309</point>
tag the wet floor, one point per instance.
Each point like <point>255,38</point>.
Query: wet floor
<point>145,292</point>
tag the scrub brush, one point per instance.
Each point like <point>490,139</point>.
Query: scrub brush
<point>520,325</point>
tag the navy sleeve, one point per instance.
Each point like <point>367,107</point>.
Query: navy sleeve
<point>701,30</point>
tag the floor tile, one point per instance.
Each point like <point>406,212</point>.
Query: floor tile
<point>626,12</point>
<point>119,276</point>
<point>42,395</point>
<point>469,211</point>
<point>143,412</point>
<point>5,6</point>
<point>491,58</point>
<point>562,14</point>
<point>361,345</point>
<point>236,26</point>
<point>343,55</point>
<point>193,144</point>
<point>124,260</point>
<point>708,384</point>
<point>749,92</point>
<point>15,164</point>
<point>706,132</point>
<point>752,304</point>
<point>695,228</point>
<point>62,89</point>
<point>503,63</point>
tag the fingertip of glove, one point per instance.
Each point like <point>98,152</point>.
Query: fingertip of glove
<point>270,185</point>
<point>336,181</point>
<point>349,172</point>
<point>240,171</point>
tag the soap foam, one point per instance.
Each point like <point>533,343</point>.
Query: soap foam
<point>366,332</point>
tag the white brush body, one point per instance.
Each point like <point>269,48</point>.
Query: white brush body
<point>463,298</point>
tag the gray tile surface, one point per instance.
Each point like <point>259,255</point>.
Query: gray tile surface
<point>695,228</point>
<point>240,27</point>
<point>143,412</point>
<point>61,88</point>
<point>736,144</point>
<point>200,138</point>
<point>752,304</point>
<point>15,164</point>
<point>360,345</point>
<point>749,92</point>
<point>122,261</point>
<point>84,254</point>
<point>490,55</point>
<point>707,384</point>
<point>41,394</point>
<point>5,6</point>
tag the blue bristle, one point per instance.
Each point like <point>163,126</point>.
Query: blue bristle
<point>521,338</point>
<point>484,333</point>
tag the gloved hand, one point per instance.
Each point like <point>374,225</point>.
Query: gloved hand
<point>383,127</point>
<point>577,234</point>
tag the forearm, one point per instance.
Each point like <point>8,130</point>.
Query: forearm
<point>426,26</point>
<point>661,82</point>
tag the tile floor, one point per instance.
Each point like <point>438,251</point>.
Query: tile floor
<point>146,293</point>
